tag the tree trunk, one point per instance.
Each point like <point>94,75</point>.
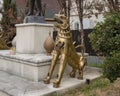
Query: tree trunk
<point>79,4</point>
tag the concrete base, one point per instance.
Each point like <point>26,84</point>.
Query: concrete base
<point>94,60</point>
<point>16,86</point>
<point>31,66</point>
<point>31,36</point>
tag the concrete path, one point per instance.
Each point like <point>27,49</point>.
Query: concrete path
<point>17,86</point>
<point>3,94</point>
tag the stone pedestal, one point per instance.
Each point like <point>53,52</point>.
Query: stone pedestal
<point>34,19</point>
<point>31,37</point>
<point>30,66</point>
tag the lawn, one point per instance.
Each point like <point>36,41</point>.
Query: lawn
<point>98,87</point>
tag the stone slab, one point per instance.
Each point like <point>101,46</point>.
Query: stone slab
<point>17,86</point>
<point>34,19</point>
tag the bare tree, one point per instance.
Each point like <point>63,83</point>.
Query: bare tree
<point>113,5</point>
<point>94,7</point>
<point>9,19</point>
<point>79,4</point>
<point>65,6</point>
<point>87,8</point>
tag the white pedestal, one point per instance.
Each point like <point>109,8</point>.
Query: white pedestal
<point>30,66</point>
<point>31,37</point>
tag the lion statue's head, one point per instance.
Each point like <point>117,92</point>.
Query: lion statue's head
<point>61,21</point>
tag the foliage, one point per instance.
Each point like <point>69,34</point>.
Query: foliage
<point>111,68</point>
<point>105,37</point>
<point>9,19</point>
<point>10,11</point>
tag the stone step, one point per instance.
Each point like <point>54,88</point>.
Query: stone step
<point>31,66</point>
<point>17,86</point>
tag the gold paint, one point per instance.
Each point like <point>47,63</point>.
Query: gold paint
<point>64,48</point>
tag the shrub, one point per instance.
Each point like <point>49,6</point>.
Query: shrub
<point>105,37</point>
<point>111,67</point>
<point>8,21</point>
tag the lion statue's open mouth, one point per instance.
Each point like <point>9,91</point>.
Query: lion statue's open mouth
<point>61,21</point>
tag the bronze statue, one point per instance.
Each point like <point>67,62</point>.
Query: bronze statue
<point>64,48</point>
<point>32,5</point>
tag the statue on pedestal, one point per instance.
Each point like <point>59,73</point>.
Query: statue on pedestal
<point>30,18</point>
<point>31,7</point>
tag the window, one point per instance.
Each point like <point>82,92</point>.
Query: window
<point>76,25</point>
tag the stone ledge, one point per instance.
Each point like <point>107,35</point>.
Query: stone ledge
<point>30,66</point>
<point>34,19</point>
<point>34,24</point>
<point>37,59</point>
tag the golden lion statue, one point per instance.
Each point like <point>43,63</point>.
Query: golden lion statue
<point>64,49</point>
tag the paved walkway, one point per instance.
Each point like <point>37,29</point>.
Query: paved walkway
<point>17,86</point>
<point>3,94</point>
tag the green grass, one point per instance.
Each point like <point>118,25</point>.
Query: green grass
<point>96,65</point>
<point>55,94</point>
<point>96,84</point>
<point>87,90</point>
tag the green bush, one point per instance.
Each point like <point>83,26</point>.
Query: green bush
<point>111,67</point>
<point>105,38</point>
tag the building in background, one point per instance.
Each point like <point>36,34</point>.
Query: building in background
<point>53,7</point>
<point>88,23</point>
